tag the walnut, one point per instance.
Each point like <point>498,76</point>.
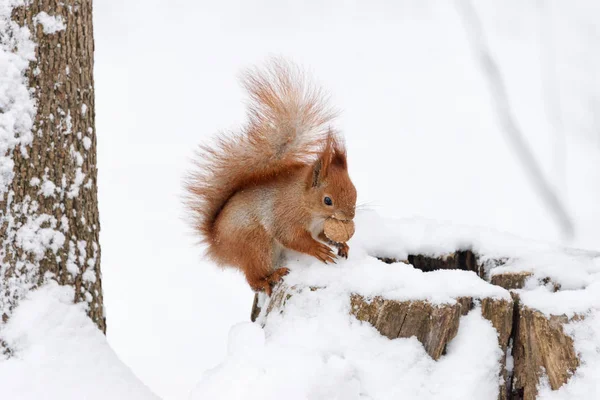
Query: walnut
<point>338,231</point>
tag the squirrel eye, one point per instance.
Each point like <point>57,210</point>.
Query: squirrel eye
<point>327,200</point>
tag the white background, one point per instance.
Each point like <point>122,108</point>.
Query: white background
<point>421,130</point>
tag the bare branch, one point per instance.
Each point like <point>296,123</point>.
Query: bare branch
<point>551,91</point>
<point>507,118</point>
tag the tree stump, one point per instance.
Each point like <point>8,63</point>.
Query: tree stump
<point>536,344</point>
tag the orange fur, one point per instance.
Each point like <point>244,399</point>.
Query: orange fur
<point>262,190</point>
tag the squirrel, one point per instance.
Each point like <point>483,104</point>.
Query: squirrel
<point>271,185</point>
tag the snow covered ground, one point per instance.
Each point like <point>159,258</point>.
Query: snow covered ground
<point>423,140</point>
<point>315,349</point>
<point>59,353</point>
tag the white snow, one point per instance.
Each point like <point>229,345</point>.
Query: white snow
<point>50,24</point>
<point>77,181</point>
<point>39,234</point>
<point>64,223</point>
<point>58,353</point>
<point>87,142</point>
<point>48,188</point>
<point>89,276</point>
<point>568,302</point>
<point>371,277</point>
<point>314,349</point>
<point>72,266</point>
<point>68,122</point>
<point>576,271</point>
<point>76,156</point>
<point>81,245</point>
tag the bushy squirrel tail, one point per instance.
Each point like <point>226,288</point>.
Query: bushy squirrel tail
<point>287,128</point>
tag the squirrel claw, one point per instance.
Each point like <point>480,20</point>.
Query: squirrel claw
<point>267,283</point>
<point>343,250</point>
<point>277,275</point>
<point>273,279</point>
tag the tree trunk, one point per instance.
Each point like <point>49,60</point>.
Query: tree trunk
<point>49,221</point>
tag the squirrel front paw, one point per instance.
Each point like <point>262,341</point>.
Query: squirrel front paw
<point>324,253</point>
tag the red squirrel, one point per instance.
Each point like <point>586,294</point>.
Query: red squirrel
<point>271,186</point>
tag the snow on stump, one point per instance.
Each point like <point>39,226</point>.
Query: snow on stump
<point>535,346</point>
<point>434,325</point>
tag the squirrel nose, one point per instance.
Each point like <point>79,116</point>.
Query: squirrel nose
<point>344,216</point>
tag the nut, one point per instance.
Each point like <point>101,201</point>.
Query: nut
<point>338,231</point>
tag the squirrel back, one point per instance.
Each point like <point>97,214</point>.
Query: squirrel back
<point>286,130</point>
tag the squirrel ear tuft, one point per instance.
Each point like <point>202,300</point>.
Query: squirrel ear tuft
<point>333,153</point>
<point>321,167</point>
<point>339,158</point>
<point>337,150</point>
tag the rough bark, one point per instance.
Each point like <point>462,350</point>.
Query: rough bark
<point>464,260</point>
<point>541,348</point>
<point>55,177</point>
<point>512,280</point>
<point>256,308</point>
<point>433,325</point>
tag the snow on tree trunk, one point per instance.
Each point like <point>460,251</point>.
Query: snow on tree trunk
<point>48,204</point>
<point>534,345</point>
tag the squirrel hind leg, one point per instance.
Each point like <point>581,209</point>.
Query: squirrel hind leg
<point>242,242</point>
<point>251,249</point>
<point>266,283</point>
<point>259,284</point>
